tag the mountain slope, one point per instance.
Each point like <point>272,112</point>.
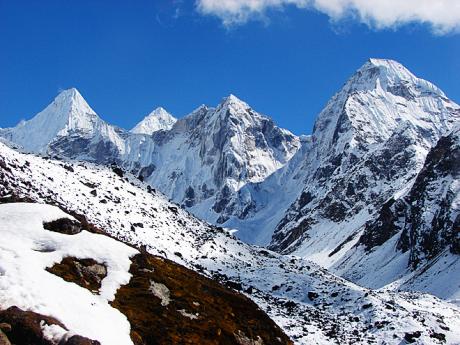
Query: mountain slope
<point>112,292</point>
<point>159,119</point>
<point>310,196</point>
<point>310,304</point>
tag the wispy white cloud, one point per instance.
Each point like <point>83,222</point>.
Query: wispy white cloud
<point>442,15</point>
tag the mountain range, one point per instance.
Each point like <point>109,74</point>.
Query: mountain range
<point>372,195</point>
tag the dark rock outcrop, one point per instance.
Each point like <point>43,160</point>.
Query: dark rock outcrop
<point>64,226</point>
<point>87,273</point>
<point>25,328</point>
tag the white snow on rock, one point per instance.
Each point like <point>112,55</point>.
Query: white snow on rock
<point>161,291</point>
<point>27,249</point>
<point>157,120</point>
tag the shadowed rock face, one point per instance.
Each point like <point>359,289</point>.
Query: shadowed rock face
<point>426,217</point>
<point>343,186</point>
<point>169,304</point>
<point>24,328</point>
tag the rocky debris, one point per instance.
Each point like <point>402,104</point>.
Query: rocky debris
<point>118,171</point>
<point>87,273</point>
<point>312,295</point>
<point>26,328</point>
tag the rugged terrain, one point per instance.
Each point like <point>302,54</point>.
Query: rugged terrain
<point>110,291</point>
<point>371,195</point>
<point>311,305</point>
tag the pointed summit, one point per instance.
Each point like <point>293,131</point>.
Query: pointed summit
<point>234,103</point>
<point>71,104</point>
<point>159,119</point>
<point>69,112</point>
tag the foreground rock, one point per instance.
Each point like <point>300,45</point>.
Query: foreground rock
<point>22,327</point>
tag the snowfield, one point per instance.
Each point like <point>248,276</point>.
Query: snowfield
<point>311,305</point>
<point>27,249</point>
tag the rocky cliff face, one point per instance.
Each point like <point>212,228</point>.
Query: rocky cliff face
<point>415,235</point>
<point>212,153</point>
<point>427,217</point>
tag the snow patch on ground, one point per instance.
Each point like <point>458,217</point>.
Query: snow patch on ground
<point>53,333</point>
<point>25,283</point>
<point>189,315</point>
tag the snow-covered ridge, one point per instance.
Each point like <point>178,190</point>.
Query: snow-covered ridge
<point>304,299</point>
<point>205,157</point>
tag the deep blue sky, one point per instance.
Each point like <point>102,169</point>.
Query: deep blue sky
<point>127,57</point>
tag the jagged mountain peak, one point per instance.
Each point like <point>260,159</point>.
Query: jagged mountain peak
<point>158,119</point>
<point>230,112</point>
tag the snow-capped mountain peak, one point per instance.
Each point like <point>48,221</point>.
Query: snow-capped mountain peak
<point>375,101</point>
<point>368,145</point>
<point>391,76</point>
<point>68,127</point>
<point>68,112</point>
<point>159,119</point>
<point>231,101</point>
<point>232,105</point>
